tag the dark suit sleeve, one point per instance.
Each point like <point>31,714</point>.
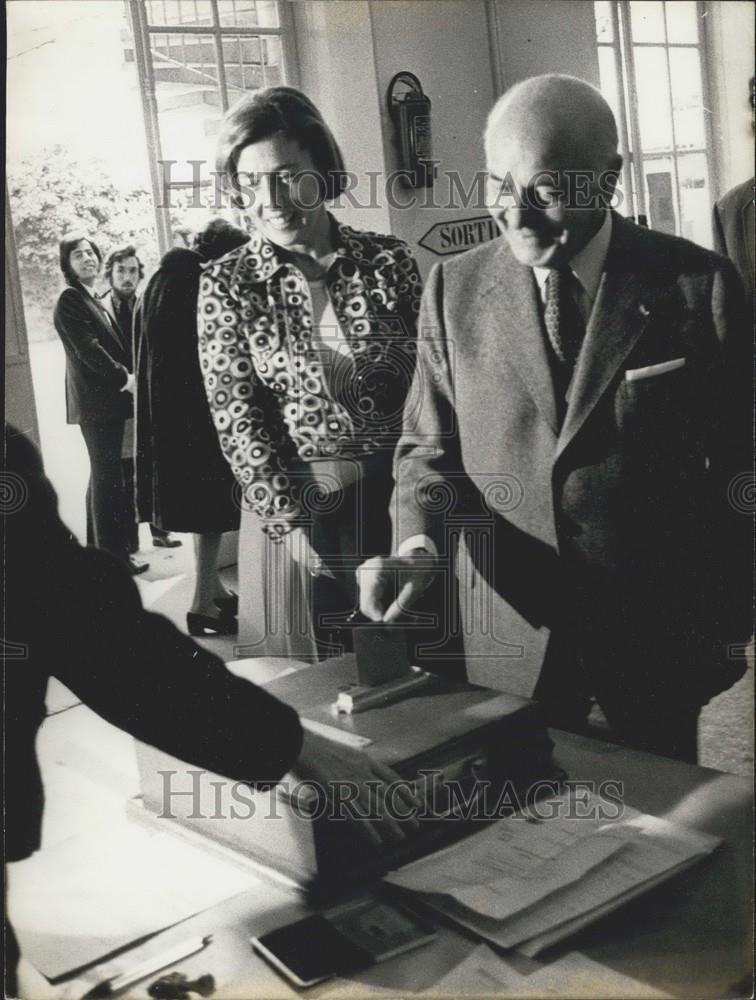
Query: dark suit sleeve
<point>80,613</point>
<point>718,232</point>
<point>78,330</point>
<point>730,455</point>
<point>136,670</point>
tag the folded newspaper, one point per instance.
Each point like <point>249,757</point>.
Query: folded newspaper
<point>527,882</point>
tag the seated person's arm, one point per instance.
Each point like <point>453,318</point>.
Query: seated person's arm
<point>80,613</point>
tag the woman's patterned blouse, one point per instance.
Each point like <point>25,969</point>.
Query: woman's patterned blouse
<point>271,399</point>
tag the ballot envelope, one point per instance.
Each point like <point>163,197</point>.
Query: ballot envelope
<point>475,755</point>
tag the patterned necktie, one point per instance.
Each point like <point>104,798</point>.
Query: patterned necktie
<point>564,324</point>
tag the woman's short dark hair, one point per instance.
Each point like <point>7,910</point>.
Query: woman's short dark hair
<point>69,242</point>
<point>121,254</point>
<point>218,237</point>
<point>280,111</point>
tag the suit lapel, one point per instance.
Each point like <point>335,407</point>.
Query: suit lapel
<point>747,220</point>
<point>510,311</point>
<point>620,315</point>
<point>106,322</point>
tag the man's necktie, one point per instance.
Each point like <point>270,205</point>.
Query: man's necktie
<point>564,324</point>
<point>124,318</point>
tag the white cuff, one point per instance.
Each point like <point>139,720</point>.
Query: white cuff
<point>417,542</point>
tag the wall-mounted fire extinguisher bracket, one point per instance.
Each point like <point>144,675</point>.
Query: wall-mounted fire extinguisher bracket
<point>410,110</point>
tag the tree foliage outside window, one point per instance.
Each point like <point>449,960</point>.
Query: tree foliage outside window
<point>56,195</point>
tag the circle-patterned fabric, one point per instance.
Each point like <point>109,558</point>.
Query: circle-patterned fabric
<point>264,375</point>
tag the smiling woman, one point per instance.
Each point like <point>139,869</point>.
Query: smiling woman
<point>307,344</point>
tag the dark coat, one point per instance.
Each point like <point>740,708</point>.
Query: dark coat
<point>75,614</point>
<point>112,307</point>
<point>183,482</point>
<point>97,359</point>
<point>735,232</point>
<point>627,525</point>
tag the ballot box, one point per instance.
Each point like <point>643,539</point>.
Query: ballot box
<point>475,754</point>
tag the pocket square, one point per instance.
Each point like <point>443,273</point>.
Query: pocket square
<point>635,374</point>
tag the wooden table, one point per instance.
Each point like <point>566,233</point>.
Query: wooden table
<point>690,937</point>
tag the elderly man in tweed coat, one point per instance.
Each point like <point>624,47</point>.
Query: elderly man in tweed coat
<point>581,458</point>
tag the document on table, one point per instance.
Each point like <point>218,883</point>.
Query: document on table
<point>514,863</point>
<point>78,901</point>
<point>484,973</point>
<point>528,885</point>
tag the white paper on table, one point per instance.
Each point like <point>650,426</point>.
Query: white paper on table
<point>138,882</point>
<point>512,848</point>
<point>665,850</point>
<point>485,973</point>
<point>576,975</point>
<point>506,897</point>
<point>662,850</point>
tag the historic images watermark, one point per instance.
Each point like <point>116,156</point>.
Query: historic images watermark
<point>196,794</point>
<point>373,189</point>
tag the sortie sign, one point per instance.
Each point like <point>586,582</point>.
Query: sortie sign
<point>459,234</point>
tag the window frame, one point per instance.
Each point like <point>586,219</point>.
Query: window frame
<point>634,170</point>
<point>142,33</point>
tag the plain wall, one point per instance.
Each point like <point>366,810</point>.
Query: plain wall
<point>730,46</point>
<point>464,52</point>
<point>446,45</point>
<point>336,63</point>
<point>546,36</point>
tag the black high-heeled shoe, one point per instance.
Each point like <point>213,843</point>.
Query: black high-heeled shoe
<point>228,605</point>
<point>224,624</point>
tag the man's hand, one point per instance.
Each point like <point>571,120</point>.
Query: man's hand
<point>302,552</point>
<point>390,585</point>
<point>128,386</point>
<point>326,763</point>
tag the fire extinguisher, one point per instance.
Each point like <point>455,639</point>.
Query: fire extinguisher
<point>411,114</point>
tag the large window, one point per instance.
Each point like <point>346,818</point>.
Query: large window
<point>652,74</point>
<point>194,59</point>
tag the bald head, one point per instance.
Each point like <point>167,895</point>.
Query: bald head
<point>565,119</point>
<point>551,151</point>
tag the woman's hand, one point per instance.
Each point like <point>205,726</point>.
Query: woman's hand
<point>128,385</point>
<point>364,790</point>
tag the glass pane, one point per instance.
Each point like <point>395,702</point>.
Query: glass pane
<point>682,21</point>
<point>272,61</point>
<point>251,62</point>
<point>660,193</point>
<point>695,198</point>
<point>188,100</point>
<point>185,61</point>
<point>687,98</point>
<point>608,77</point>
<point>248,13</point>
<point>652,85</point>
<point>175,12</point>
<point>602,13</point>
<point>647,21</point>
